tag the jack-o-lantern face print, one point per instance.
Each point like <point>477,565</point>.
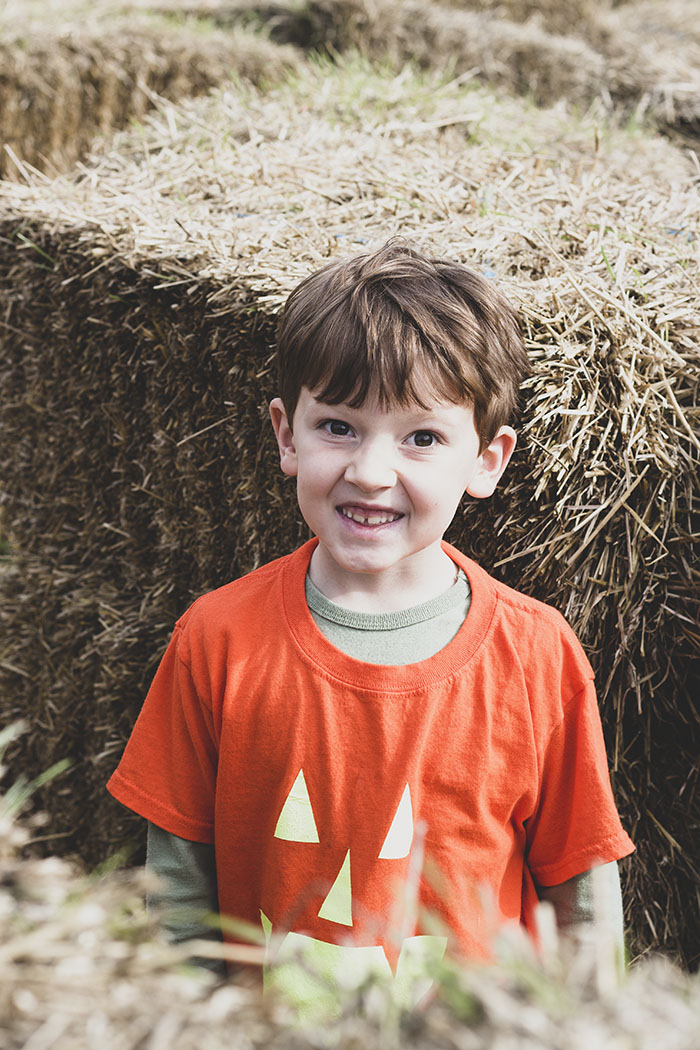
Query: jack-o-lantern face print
<point>343,897</point>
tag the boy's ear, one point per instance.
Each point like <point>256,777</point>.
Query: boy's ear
<point>491,463</point>
<point>285,437</point>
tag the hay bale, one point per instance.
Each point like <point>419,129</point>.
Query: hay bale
<point>526,59</point>
<point>565,17</point>
<point>652,51</point>
<point>64,82</point>
<point>139,469</point>
<point>640,59</point>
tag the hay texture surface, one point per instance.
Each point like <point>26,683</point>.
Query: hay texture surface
<point>138,467</point>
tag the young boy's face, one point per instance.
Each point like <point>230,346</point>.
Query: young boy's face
<point>379,487</point>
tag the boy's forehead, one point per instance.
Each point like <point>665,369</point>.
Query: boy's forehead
<point>431,400</point>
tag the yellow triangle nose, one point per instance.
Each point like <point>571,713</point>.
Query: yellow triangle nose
<point>337,907</point>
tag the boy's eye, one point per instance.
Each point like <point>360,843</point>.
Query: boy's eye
<point>424,438</point>
<point>336,427</point>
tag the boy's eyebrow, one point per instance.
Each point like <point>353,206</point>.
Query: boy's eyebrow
<point>414,414</point>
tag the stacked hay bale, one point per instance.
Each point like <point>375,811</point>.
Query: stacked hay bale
<point>77,70</point>
<point>71,73</point>
<point>138,468</point>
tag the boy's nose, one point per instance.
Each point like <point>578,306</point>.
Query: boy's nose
<point>371,468</point>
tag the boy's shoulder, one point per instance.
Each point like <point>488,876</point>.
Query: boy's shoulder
<point>520,607</point>
<point>514,603</point>
<point>536,629</point>
<point>233,622</point>
<point>223,603</point>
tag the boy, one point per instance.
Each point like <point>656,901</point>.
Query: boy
<point>369,746</point>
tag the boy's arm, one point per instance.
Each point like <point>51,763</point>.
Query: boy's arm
<point>593,898</point>
<point>188,892</point>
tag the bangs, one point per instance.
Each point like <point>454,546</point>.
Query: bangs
<point>397,369</point>
<point>360,349</point>
<point>395,327</point>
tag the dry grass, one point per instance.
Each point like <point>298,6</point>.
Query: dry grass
<point>640,57</point>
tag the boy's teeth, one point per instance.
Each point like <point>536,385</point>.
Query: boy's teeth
<point>369,519</point>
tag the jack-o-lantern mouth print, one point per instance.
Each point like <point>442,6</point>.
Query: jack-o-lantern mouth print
<point>335,911</point>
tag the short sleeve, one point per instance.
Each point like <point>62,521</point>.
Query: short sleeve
<point>167,773</point>
<point>575,825</point>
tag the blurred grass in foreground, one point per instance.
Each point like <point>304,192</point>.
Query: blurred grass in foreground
<point>83,964</point>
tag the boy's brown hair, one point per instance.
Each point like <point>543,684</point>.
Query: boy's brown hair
<point>402,327</point>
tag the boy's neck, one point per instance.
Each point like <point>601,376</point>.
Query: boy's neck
<point>408,583</point>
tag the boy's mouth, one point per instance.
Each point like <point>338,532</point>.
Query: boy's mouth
<point>367,516</point>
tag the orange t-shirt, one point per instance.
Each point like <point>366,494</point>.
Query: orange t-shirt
<point>328,785</point>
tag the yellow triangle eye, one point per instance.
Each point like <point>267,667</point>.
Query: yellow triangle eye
<point>296,821</point>
<point>397,843</point>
